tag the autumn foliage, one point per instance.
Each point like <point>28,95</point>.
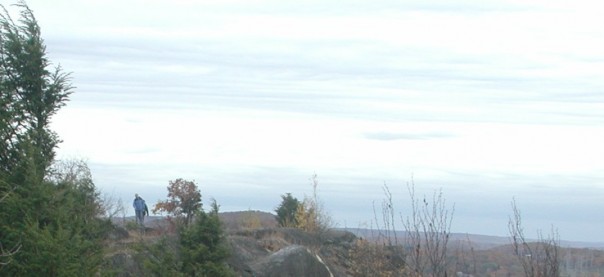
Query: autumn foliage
<point>184,199</point>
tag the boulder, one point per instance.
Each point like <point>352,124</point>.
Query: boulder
<point>293,260</point>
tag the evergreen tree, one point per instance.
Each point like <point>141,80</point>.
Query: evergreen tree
<point>160,258</point>
<point>203,246</point>
<point>54,222</point>
<point>60,231</point>
<point>286,212</point>
<point>30,93</point>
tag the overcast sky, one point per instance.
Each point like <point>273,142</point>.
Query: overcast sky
<point>486,100</point>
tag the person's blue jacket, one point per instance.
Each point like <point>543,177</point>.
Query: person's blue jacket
<point>139,204</point>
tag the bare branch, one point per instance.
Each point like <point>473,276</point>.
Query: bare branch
<point>540,258</point>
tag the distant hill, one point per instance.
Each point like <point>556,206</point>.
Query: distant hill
<point>252,219</point>
<point>479,242</point>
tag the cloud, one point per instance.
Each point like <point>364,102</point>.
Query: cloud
<point>339,77</point>
<point>406,136</point>
<point>400,66</point>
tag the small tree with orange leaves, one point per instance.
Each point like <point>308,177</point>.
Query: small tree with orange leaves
<point>184,200</point>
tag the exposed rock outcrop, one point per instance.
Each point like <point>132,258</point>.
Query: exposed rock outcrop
<point>269,251</point>
<point>281,252</point>
<point>293,260</point>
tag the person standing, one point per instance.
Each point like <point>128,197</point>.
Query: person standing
<point>140,208</point>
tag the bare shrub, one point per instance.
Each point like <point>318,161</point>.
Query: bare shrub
<point>112,206</point>
<point>465,258</point>
<point>383,255</point>
<point>428,232</point>
<point>540,258</point>
<point>387,229</point>
<point>427,236</point>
